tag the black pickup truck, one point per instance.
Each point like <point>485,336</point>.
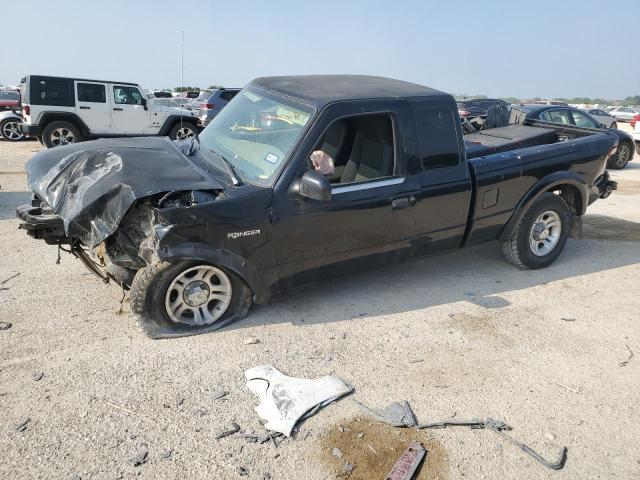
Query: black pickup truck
<point>199,231</point>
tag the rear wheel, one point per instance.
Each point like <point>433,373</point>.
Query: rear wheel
<point>622,156</point>
<point>185,298</point>
<point>9,130</point>
<point>541,233</point>
<point>614,125</point>
<point>60,133</point>
<point>182,131</point>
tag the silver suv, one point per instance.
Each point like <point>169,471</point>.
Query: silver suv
<point>210,102</point>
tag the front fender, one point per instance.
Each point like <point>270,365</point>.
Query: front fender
<point>545,184</point>
<point>223,258</point>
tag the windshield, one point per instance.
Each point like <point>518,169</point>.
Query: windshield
<point>255,132</point>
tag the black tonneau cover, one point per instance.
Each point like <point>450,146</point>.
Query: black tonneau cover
<point>507,138</point>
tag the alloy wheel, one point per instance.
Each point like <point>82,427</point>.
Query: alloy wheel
<point>545,233</point>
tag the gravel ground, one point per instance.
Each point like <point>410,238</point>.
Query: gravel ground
<point>459,335</point>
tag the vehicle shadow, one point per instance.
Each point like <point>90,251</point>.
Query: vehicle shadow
<point>10,200</point>
<point>477,275</point>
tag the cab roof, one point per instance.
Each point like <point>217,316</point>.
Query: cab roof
<point>324,89</point>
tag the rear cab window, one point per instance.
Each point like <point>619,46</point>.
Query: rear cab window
<point>51,91</point>
<point>438,145</point>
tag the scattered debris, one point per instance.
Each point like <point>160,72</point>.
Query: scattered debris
<point>336,452</point>
<point>141,459</point>
<point>251,341</point>
<point>9,278</point>
<point>499,427</point>
<point>5,325</point>
<point>568,319</point>
<point>22,426</point>
<point>167,454</point>
<point>360,435</point>
<point>285,401</point>
<point>38,376</point>
<point>235,428</point>
<point>112,405</point>
<point>348,468</point>
<point>568,388</point>
<point>550,436</point>
<point>180,401</point>
<point>416,360</point>
<point>625,362</point>
<point>243,472</point>
<point>218,394</point>
<point>408,463</point>
<point>396,414</point>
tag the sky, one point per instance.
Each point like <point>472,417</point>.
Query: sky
<point>559,48</point>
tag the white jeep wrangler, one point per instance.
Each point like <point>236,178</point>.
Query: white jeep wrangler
<point>60,110</point>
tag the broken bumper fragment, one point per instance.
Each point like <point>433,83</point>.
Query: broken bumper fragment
<point>602,187</point>
<point>41,224</point>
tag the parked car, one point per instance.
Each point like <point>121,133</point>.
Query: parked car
<point>624,114</point>
<point>199,235</point>
<point>161,94</point>
<point>603,117</point>
<point>9,100</point>
<point>573,116</point>
<point>636,132</point>
<point>9,126</point>
<point>62,110</point>
<point>210,102</point>
<point>550,102</point>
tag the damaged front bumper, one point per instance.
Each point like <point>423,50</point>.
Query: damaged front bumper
<point>42,224</point>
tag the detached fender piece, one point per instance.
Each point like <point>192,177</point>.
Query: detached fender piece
<point>556,179</point>
<point>223,258</point>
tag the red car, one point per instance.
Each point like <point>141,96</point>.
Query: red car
<point>9,100</point>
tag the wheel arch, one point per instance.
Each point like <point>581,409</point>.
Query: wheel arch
<point>223,258</point>
<point>48,117</point>
<point>171,120</point>
<point>570,186</point>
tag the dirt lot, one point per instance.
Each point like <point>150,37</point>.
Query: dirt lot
<point>464,334</point>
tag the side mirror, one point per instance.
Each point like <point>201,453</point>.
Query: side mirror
<point>144,103</point>
<point>315,186</point>
<point>602,125</point>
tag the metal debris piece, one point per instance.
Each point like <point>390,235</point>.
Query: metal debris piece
<point>251,341</point>
<point>5,325</point>
<point>396,414</point>
<point>500,427</point>
<point>408,463</point>
<point>38,376</point>
<point>235,428</point>
<point>348,468</point>
<point>625,362</point>
<point>568,319</point>
<point>336,452</point>
<point>22,426</point>
<point>166,454</point>
<point>218,394</point>
<point>9,278</point>
<point>141,459</point>
<point>285,401</point>
<point>243,472</point>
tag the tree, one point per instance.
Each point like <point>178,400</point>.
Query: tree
<point>635,100</point>
<point>186,89</point>
<point>214,87</point>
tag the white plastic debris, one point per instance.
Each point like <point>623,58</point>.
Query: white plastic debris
<point>284,400</point>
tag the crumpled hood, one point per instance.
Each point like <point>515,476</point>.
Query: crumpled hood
<point>92,185</point>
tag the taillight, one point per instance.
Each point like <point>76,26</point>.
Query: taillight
<point>635,119</point>
<point>463,113</point>
<point>26,109</point>
<point>207,106</point>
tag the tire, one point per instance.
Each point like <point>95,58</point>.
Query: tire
<point>518,249</point>
<point>60,133</point>
<point>614,125</point>
<point>182,131</point>
<point>622,156</point>
<point>9,130</point>
<point>153,287</point>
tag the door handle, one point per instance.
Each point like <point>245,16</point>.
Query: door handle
<point>82,107</point>
<point>118,109</point>
<point>401,203</point>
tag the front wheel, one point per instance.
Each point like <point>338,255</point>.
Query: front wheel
<point>181,298</point>
<point>622,156</point>
<point>9,130</point>
<point>541,233</point>
<point>60,133</point>
<point>182,131</point>
<point>614,125</point>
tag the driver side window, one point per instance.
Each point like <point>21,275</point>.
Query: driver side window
<point>582,120</point>
<point>126,95</point>
<point>356,149</point>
